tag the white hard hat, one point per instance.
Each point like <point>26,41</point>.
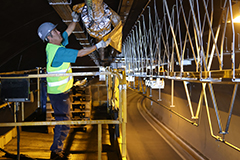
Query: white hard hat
<point>44,29</point>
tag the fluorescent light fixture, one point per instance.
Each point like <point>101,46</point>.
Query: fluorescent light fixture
<point>236,13</point>
<point>236,20</point>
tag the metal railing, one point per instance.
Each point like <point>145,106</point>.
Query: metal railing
<point>37,71</point>
<point>174,41</point>
<point>122,117</point>
<point>182,45</point>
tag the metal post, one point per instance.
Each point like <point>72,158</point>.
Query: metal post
<point>238,41</point>
<point>226,49</point>
<point>137,50</point>
<point>139,89</point>
<point>15,112</point>
<point>107,92</point>
<point>209,35</point>
<point>98,97</point>
<point>172,94</point>
<point>18,131</point>
<point>207,108</point>
<point>173,34</point>
<point>213,52</point>
<point>120,100</point>
<point>199,103</point>
<point>231,107</point>
<point>144,41</point>
<point>212,33</point>
<point>150,41</point>
<point>150,89</point>
<point>140,47</point>
<point>215,106</point>
<point>159,48</point>
<point>134,52</point>
<point>233,59</point>
<point>124,141</point>
<point>109,95</point>
<point>187,29</point>
<point>110,90</point>
<point>224,34</point>
<point>99,141</point>
<point>22,111</point>
<point>188,98</point>
<point>38,88</point>
<point>124,109</point>
<point>233,42</point>
<point>134,84</point>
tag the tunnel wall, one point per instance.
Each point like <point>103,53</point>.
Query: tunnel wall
<point>199,137</point>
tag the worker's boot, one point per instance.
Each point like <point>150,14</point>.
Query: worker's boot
<point>58,156</point>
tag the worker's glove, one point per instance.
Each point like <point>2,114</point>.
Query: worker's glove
<point>80,83</point>
<point>103,44</point>
<point>75,17</point>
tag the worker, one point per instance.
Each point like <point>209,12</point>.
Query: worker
<point>58,61</point>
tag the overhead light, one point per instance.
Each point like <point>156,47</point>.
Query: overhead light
<point>236,20</point>
<point>236,13</point>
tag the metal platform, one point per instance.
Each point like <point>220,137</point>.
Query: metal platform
<point>80,144</point>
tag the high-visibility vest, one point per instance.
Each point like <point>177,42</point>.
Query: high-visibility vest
<point>56,85</point>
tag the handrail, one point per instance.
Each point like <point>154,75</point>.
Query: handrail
<point>122,112</point>
<point>5,104</point>
<point>19,72</point>
<point>48,123</point>
<point>56,75</point>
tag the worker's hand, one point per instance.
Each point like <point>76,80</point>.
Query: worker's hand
<point>103,44</point>
<point>80,83</point>
<point>75,17</point>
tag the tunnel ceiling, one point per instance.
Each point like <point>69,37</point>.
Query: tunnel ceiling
<point>21,48</point>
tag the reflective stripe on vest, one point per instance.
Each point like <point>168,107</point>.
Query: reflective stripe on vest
<point>53,84</point>
<point>60,71</point>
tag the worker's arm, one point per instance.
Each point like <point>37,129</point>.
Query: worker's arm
<point>72,25</point>
<point>70,55</point>
<point>70,28</point>
<point>88,50</point>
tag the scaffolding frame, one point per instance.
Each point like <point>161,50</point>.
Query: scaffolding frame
<point>164,48</point>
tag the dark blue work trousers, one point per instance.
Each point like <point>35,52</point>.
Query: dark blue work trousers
<point>61,105</point>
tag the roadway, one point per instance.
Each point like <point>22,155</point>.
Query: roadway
<point>143,141</point>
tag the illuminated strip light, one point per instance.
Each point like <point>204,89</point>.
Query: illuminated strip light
<point>81,39</point>
<point>78,32</point>
<point>83,44</point>
<point>61,3</point>
<point>185,62</point>
<point>236,20</point>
